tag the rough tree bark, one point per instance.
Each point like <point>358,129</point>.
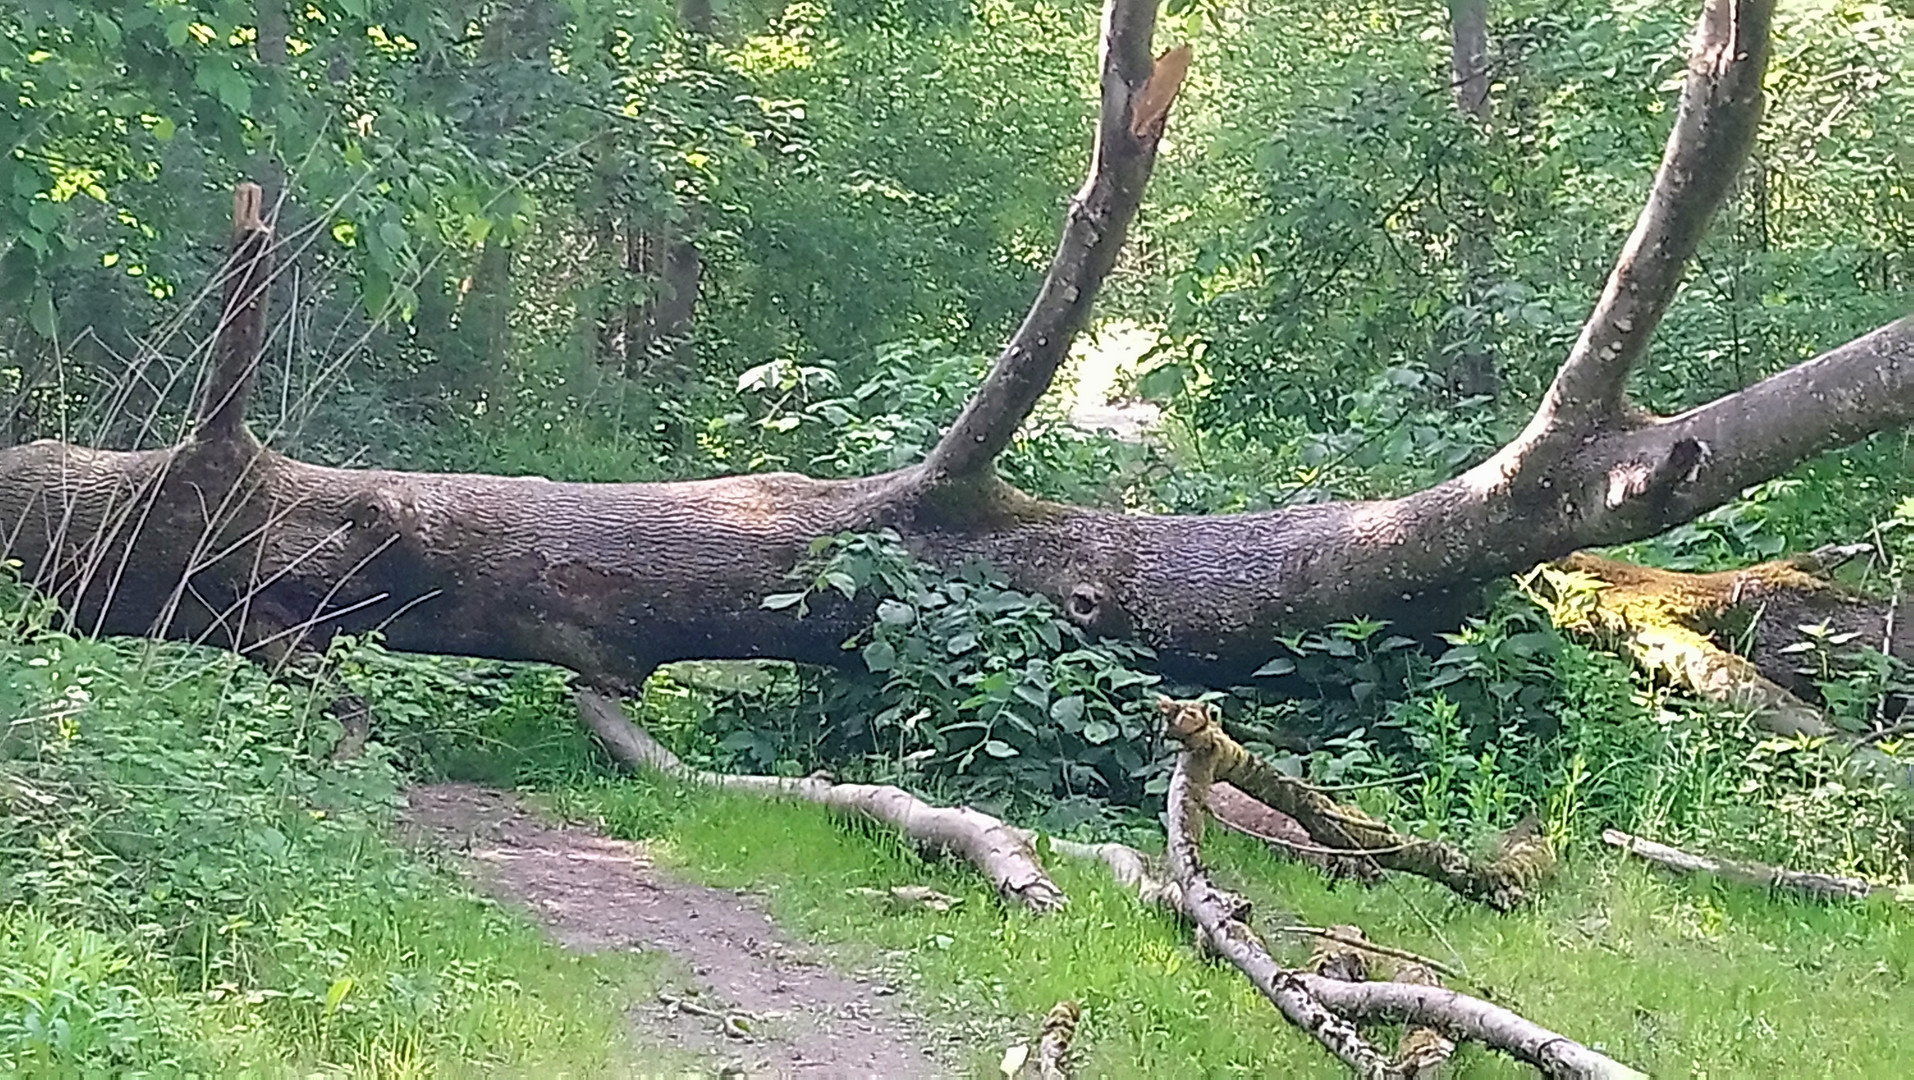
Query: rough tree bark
<point>220,540</point>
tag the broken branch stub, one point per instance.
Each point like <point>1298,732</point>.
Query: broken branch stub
<point>241,337</point>
<point>997,850</point>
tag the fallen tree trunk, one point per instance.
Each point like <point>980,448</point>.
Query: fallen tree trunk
<point>1002,854</point>
<point>1675,624</point>
<point>1329,1008</point>
<point>220,540</point>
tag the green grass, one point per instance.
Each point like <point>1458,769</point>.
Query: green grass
<point>190,887</point>
<point>1677,978</point>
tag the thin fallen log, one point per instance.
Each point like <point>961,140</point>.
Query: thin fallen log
<point>1000,852</point>
<point>1800,883</point>
<point>1502,883</point>
<point>1327,1008</point>
<point>1424,1050</point>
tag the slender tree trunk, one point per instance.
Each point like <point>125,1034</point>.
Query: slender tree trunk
<point>1472,361</point>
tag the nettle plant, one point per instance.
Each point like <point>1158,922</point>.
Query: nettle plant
<point>977,685</point>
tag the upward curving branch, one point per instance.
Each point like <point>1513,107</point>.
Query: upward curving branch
<point>1137,94</point>
<point>1714,131</point>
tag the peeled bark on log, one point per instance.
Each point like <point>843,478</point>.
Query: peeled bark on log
<point>1502,884</point>
<point>1327,1008</point>
<point>1000,852</point>
<point>1831,887</point>
<point>1671,623</point>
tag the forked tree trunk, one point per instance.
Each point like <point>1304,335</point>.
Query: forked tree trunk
<point>220,540</point>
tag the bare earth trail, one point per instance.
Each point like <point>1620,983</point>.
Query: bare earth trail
<point>594,893</point>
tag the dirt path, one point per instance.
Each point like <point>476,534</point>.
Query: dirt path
<point>596,893</point>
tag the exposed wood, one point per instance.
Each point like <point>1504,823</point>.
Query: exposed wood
<point>1502,883</point>
<point>1222,921</point>
<point>1676,625</point>
<point>1800,883</point>
<point>998,851</point>
<point>241,337</point>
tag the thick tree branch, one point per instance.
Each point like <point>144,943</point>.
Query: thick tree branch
<point>995,849</point>
<point>1222,920</point>
<point>1837,398</point>
<point>1328,1008</point>
<point>1714,130</point>
<point>1502,884</point>
<point>1136,98</point>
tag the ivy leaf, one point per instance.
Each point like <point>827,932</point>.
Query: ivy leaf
<point>1067,710</point>
<point>880,656</point>
<point>1098,732</point>
<point>894,613</point>
<point>1282,665</point>
<point>780,601</point>
<point>998,748</point>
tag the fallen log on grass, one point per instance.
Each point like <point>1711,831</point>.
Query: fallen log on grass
<point>1330,1009</point>
<point>1000,852</point>
<point>1800,883</point>
<point>1672,624</point>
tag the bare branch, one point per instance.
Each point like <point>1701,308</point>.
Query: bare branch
<point>1222,920</point>
<point>1136,98</point>
<point>1714,129</point>
<point>1502,884</point>
<point>996,849</point>
<point>242,322</point>
<point>1800,883</point>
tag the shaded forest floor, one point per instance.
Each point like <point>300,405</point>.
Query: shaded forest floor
<point>739,993</point>
<point>1679,978</point>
